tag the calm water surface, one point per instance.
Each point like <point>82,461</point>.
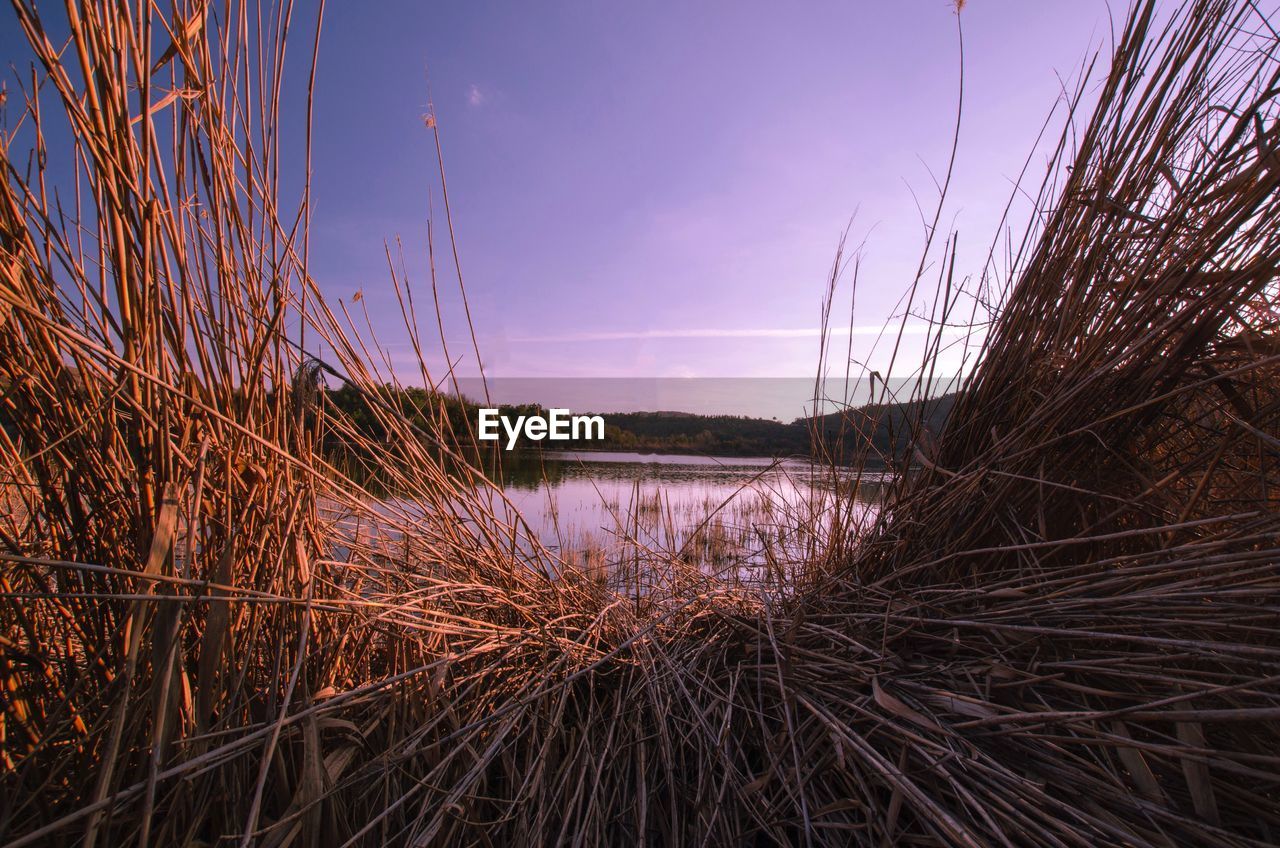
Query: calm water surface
<point>726,511</point>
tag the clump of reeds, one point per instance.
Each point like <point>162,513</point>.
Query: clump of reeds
<point>1061,629</point>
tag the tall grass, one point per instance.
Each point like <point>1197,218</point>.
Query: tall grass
<point>1061,631</point>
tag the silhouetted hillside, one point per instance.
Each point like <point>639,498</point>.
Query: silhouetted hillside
<point>879,431</point>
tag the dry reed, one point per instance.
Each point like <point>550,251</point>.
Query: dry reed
<point>1060,630</point>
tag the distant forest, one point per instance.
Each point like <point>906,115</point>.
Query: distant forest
<point>881,431</point>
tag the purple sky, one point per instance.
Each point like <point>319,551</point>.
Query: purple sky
<point>648,189</point>
<point>659,190</point>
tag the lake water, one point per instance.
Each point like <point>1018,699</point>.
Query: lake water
<point>725,515</point>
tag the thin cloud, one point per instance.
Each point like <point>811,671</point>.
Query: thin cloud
<point>741,333</point>
<point>475,96</point>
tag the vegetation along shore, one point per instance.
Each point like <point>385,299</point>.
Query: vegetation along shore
<point>1059,626</point>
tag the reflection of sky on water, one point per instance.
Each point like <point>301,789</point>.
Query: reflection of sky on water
<point>604,513</point>
<point>577,501</point>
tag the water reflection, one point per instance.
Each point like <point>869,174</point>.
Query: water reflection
<point>729,517</point>
<point>650,522</point>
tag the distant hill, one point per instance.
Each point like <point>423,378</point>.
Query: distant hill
<point>888,427</point>
<point>877,431</point>
<point>682,432</point>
